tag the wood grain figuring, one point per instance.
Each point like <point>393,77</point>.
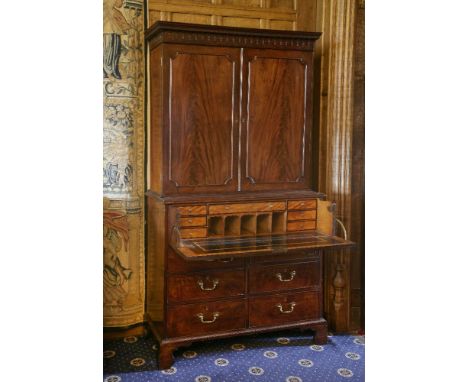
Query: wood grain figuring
<point>203,113</point>
<point>302,215</point>
<point>183,320</point>
<point>302,225</point>
<point>205,286</point>
<point>302,204</point>
<point>276,92</point>
<point>191,210</point>
<point>193,221</point>
<point>250,207</point>
<point>264,310</point>
<point>276,278</point>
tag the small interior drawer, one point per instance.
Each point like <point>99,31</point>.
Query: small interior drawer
<point>302,225</point>
<point>283,308</point>
<point>206,285</point>
<point>191,210</point>
<point>187,233</point>
<point>302,215</point>
<point>192,221</point>
<point>204,318</point>
<point>302,204</point>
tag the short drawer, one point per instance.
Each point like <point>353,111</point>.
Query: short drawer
<point>187,233</point>
<point>302,215</point>
<point>192,221</point>
<point>247,207</point>
<point>302,204</point>
<point>302,225</point>
<point>283,308</point>
<point>271,278</point>
<point>199,319</point>
<point>202,286</point>
<point>191,210</point>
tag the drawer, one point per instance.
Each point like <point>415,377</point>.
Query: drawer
<point>271,278</point>
<point>284,308</point>
<point>175,263</point>
<point>191,210</point>
<point>302,225</point>
<point>186,288</point>
<point>302,215</point>
<point>187,233</point>
<point>247,207</point>
<point>192,221</point>
<point>302,204</point>
<point>205,318</point>
<point>312,255</point>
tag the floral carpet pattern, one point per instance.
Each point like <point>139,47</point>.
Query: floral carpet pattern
<point>273,357</point>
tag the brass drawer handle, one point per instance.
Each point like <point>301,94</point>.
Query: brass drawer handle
<point>201,284</point>
<point>202,318</point>
<point>279,276</point>
<point>280,307</point>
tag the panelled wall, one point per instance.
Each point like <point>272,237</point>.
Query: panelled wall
<point>123,150</point>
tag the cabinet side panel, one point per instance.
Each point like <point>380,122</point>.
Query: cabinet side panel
<point>325,217</point>
<point>155,260</point>
<point>155,128</point>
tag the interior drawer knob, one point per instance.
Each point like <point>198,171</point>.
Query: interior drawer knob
<point>202,286</point>
<point>202,318</point>
<point>279,276</point>
<point>290,310</point>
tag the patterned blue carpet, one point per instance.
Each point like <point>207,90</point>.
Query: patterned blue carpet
<point>272,357</point>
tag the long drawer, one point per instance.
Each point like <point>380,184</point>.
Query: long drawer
<point>283,308</point>
<point>247,207</point>
<point>204,318</point>
<point>175,264</point>
<point>281,277</point>
<point>206,285</point>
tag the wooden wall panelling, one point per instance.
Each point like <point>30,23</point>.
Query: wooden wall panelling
<point>357,185</point>
<point>267,14</point>
<point>336,19</point>
<point>123,151</point>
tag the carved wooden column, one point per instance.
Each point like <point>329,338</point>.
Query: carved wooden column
<point>336,53</point>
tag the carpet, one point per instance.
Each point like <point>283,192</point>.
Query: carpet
<point>272,357</point>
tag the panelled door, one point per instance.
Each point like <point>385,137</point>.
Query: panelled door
<point>276,119</point>
<point>203,117</point>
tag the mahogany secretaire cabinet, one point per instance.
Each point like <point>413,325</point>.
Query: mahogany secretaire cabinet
<point>236,234</point>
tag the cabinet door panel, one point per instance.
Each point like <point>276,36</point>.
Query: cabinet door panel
<point>202,118</point>
<point>277,123</point>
